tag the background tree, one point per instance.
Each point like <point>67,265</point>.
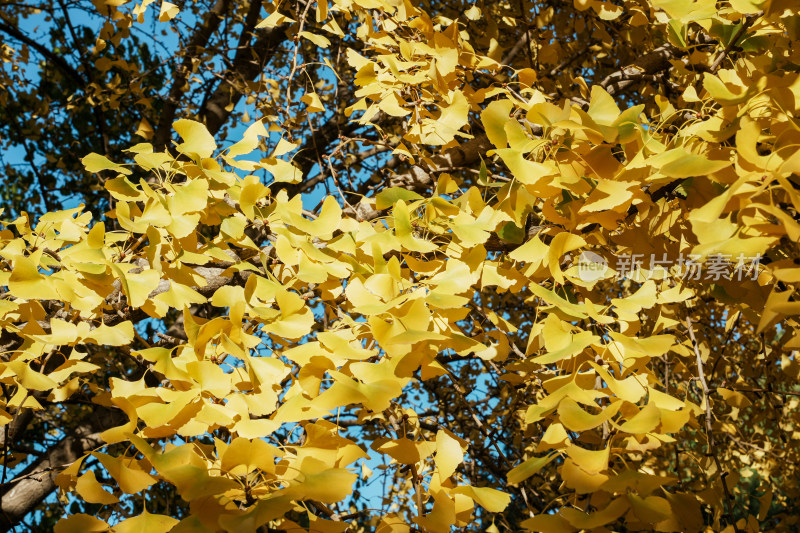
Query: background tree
<point>312,232</point>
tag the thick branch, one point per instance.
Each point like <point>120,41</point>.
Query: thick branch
<point>197,43</point>
<point>10,432</point>
<point>247,64</point>
<point>37,481</point>
<point>651,63</point>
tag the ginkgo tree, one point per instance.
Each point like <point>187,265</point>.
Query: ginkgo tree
<point>398,266</point>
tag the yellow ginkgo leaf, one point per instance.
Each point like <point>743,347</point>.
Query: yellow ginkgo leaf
<point>602,108</point>
<point>96,162</point>
<point>405,231</point>
<point>145,130</point>
<point>283,171</point>
<point>196,139</point>
<point>318,40</point>
<point>529,468</point>
<point>494,118</point>
<point>118,335</point>
<point>492,500</point>
<point>92,491</point>
<point>448,454</point>
<point>27,282</point>
<point>721,92</point>
<point>313,102</point>
<point>146,523</point>
<point>273,20</point>
<point>328,486</point>
<point>644,421</point>
<point>80,523</point>
<point>473,13</point>
<point>168,11</point>
<point>126,472</point>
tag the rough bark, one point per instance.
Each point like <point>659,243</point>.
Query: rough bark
<point>197,43</point>
<point>647,65</point>
<point>248,63</point>
<point>22,495</point>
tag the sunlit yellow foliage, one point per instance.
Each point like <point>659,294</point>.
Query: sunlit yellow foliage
<point>635,399</point>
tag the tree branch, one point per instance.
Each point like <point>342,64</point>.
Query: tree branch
<point>37,481</point>
<point>54,58</point>
<point>198,41</point>
<point>418,178</point>
<point>749,21</point>
<point>247,64</point>
<point>711,449</point>
<point>646,65</point>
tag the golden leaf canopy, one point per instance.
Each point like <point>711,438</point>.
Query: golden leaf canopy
<point>564,298</point>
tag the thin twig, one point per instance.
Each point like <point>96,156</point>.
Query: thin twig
<point>711,450</point>
<point>294,57</point>
<point>481,426</point>
<point>528,42</point>
<point>36,473</point>
<point>415,475</point>
<point>780,393</point>
<point>749,21</point>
